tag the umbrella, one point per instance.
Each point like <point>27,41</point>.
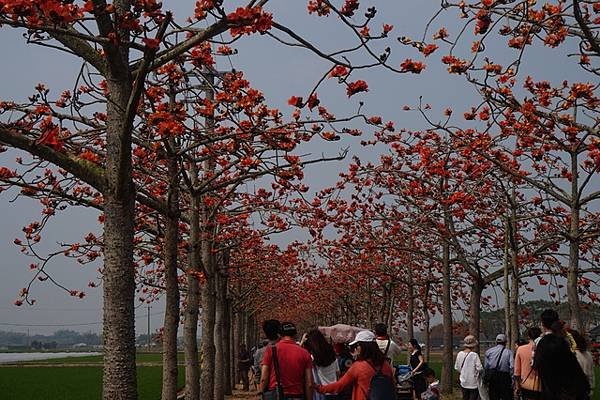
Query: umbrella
<point>340,333</point>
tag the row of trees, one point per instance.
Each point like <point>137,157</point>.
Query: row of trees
<point>165,146</point>
<point>500,197</point>
<point>162,144</point>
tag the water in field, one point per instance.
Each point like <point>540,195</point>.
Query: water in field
<point>15,357</point>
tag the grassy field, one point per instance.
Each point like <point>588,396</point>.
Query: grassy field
<point>71,383</point>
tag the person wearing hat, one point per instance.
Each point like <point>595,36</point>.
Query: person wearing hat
<point>469,367</point>
<point>499,360</point>
<point>294,366</point>
<point>369,360</point>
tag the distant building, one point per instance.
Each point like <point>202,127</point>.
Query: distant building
<point>80,345</point>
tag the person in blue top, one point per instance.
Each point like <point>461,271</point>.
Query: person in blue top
<point>500,359</point>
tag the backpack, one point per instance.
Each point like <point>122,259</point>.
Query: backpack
<point>381,386</point>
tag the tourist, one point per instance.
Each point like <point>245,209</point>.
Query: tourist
<point>369,360</point>
<point>518,343</point>
<point>548,318</point>
<point>257,358</point>
<point>418,365</point>
<point>289,364</point>
<point>560,375</point>
<point>499,367</point>
<point>387,346</point>
<point>584,357</point>
<point>244,364</point>
<point>271,328</point>
<point>432,392</point>
<point>527,384</point>
<point>469,368</point>
<point>325,366</point>
<point>552,324</point>
<point>345,360</point>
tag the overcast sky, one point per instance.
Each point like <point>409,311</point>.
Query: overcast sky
<point>279,72</point>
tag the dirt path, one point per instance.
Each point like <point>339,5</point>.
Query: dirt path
<point>241,395</point>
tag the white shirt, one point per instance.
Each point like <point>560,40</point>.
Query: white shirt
<point>394,350</point>
<point>326,375</point>
<point>469,366</point>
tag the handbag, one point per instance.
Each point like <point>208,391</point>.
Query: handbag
<point>531,382</point>
<point>276,394</point>
<point>489,375</point>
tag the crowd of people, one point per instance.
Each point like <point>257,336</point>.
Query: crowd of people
<point>314,368</point>
<point>553,364</point>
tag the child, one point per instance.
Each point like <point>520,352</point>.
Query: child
<point>432,392</point>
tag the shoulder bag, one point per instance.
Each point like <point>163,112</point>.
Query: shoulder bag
<point>276,394</point>
<point>489,375</point>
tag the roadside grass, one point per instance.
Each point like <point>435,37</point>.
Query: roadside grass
<point>72,383</point>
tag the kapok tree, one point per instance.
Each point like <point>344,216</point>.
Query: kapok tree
<point>545,137</point>
<point>120,43</point>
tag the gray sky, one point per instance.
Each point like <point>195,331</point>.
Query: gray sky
<point>277,71</point>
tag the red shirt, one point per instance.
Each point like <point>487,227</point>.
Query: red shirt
<point>293,362</point>
<point>359,374</point>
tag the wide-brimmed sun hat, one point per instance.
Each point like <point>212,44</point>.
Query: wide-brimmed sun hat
<point>470,342</point>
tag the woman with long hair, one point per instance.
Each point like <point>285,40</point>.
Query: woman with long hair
<point>584,357</point>
<point>560,374</point>
<point>369,361</point>
<point>326,369</point>
<point>418,365</point>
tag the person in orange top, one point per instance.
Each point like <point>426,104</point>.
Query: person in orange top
<point>527,384</point>
<point>369,360</point>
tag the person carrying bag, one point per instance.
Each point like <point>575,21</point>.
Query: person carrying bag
<point>277,393</point>
<point>492,375</point>
<point>286,367</point>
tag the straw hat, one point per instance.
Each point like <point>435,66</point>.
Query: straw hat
<point>470,342</point>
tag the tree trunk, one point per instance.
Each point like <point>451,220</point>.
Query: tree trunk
<point>427,322</point>
<point>227,327</point>
<point>190,327</point>
<point>207,371</point>
<point>369,321</point>
<point>170,250</point>
<point>447,355</point>
<point>390,315</point>
<point>238,333</point>
<point>506,285</point>
<point>219,332</point>
<point>514,264</point>
<point>573,273</point>
<point>119,376</point>
<point>475,310</point>
<point>410,313</point>
<point>171,323</point>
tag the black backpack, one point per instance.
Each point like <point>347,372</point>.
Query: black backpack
<point>382,386</point>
